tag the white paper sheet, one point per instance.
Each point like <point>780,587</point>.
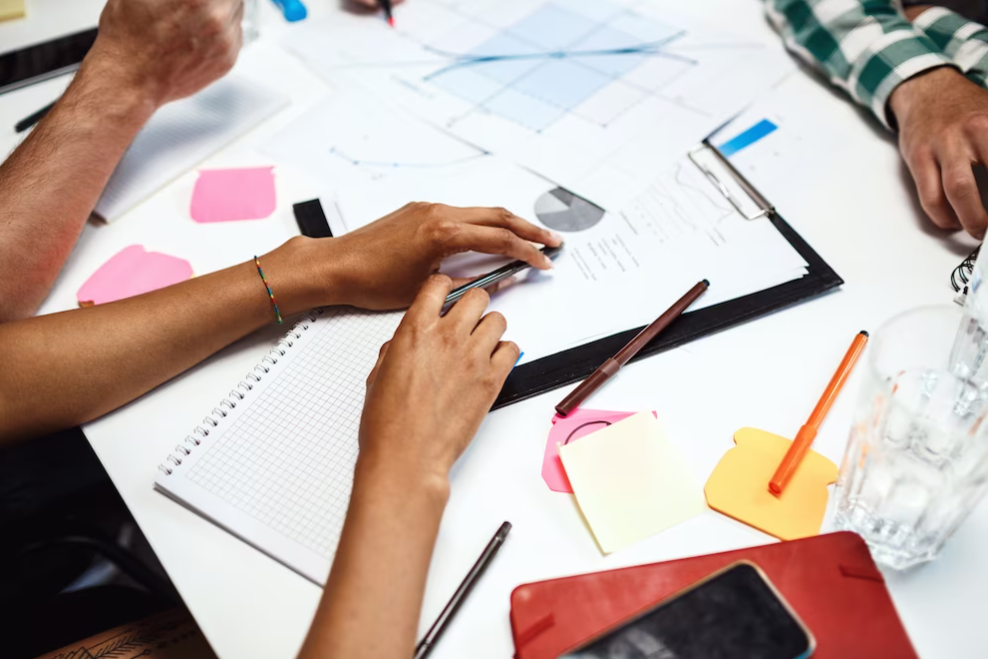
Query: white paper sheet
<point>352,139</point>
<point>181,135</point>
<point>618,274</point>
<point>597,95</point>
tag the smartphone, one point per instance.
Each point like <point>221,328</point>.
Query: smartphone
<point>733,614</point>
<point>26,66</point>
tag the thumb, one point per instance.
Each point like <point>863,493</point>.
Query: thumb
<point>377,366</point>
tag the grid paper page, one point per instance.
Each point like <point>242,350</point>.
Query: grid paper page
<point>280,474</point>
<point>181,135</point>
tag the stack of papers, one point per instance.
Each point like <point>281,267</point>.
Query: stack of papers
<point>597,95</point>
<point>618,270</point>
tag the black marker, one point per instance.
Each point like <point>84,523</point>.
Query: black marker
<point>386,6</point>
<point>431,637</point>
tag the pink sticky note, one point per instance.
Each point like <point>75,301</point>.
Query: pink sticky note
<point>566,430</point>
<point>224,195</point>
<point>131,272</point>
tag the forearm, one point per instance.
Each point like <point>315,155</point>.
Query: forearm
<point>865,48</point>
<point>51,183</point>
<point>68,368</point>
<point>371,604</point>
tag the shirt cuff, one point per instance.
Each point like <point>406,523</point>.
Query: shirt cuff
<point>888,62</point>
<point>964,41</point>
<point>949,32</point>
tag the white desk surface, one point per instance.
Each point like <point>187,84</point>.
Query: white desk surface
<point>857,211</point>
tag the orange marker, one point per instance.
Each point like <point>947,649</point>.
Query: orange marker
<point>806,435</point>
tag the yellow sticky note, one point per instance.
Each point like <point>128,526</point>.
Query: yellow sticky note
<point>11,9</point>
<point>630,482</point>
<point>738,486</point>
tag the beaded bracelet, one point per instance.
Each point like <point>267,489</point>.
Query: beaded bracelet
<point>277,314</point>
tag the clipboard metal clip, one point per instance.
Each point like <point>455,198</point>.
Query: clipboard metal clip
<point>765,208</point>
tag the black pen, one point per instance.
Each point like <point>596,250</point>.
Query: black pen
<point>386,6</point>
<point>431,637</point>
<point>29,121</point>
<point>491,278</point>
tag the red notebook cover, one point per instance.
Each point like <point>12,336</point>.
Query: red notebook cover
<point>830,580</point>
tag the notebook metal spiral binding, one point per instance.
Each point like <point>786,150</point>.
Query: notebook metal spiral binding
<point>238,393</point>
<point>961,276</point>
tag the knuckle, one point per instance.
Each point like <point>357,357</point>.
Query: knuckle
<point>440,279</point>
<point>479,295</point>
<point>442,230</point>
<point>957,183</point>
<point>498,317</point>
<point>505,238</point>
<point>214,25</point>
<point>435,210</point>
<point>490,382</point>
<point>976,123</point>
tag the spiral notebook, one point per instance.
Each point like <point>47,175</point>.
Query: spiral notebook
<point>273,462</point>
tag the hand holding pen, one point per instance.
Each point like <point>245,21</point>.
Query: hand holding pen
<point>382,5</point>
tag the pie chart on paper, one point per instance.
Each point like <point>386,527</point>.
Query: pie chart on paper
<point>565,212</point>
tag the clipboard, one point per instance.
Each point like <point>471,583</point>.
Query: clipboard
<point>575,364</point>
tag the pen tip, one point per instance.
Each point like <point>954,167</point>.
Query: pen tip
<point>706,282</point>
<point>865,333</point>
<point>391,21</point>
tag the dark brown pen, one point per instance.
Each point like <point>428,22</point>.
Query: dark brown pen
<point>609,368</point>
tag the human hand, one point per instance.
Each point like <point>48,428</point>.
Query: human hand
<point>943,132</point>
<point>382,265</point>
<point>366,6</point>
<point>168,49</point>
<point>434,382</point>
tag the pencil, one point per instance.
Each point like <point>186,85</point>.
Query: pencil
<point>610,368</point>
<point>804,438</point>
<point>431,637</point>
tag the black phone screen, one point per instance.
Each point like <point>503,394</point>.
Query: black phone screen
<point>44,60</point>
<point>733,615</point>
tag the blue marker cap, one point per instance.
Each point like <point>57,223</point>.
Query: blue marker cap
<point>293,10</point>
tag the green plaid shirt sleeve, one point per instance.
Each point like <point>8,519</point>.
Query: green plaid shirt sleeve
<point>866,47</point>
<point>964,42</point>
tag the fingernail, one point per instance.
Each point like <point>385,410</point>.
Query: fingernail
<point>548,263</point>
<point>555,235</point>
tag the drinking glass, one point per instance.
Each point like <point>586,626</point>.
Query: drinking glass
<point>916,462</point>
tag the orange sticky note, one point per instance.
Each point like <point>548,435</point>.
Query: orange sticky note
<point>738,487</point>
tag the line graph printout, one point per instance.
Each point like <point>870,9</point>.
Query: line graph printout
<point>596,95</point>
<point>349,139</point>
